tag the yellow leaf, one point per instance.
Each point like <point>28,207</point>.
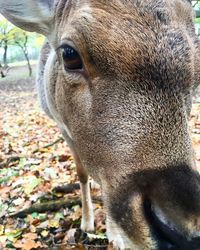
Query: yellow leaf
<point>2,229</point>
<point>44,233</point>
<point>71,158</point>
<point>32,228</point>
<point>31,183</point>
<point>20,122</point>
<point>3,239</point>
<point>54,223</point>
<point>44,150</point>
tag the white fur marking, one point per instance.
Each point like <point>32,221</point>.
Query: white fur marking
<point>87,222</point>
<point>49,98</point>
<point>117,237</point>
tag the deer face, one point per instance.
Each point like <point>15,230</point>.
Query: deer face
<point>118,81</point>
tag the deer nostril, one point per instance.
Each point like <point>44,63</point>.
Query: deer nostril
<point>168,238</point>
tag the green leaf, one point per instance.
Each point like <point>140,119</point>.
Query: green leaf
<point>35,215</point>
<point>22,162</point>
<point>42,217</point>
<point>7,174</point>
<point>31,183</point>
<point>14,234</point>
<point>59,216</point>
<point>3,209</point>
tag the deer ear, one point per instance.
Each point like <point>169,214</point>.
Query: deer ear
<point>30,15</point>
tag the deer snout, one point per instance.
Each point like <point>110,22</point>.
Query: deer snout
<point>161,210</point>
<point>172,208</point>
<point>166,233</point>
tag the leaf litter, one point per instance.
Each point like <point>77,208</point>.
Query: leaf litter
<point>34,159</point>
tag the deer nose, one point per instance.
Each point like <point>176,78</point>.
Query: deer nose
<point>167,236</point>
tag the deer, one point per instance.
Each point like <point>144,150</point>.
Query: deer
<point>117,76</point>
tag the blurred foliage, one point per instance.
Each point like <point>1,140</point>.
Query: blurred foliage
<point>11,36</point>
<point>196,6</point>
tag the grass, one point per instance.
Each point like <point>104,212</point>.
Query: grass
<point>13,77</point>
<point>19,70</point>
<point>22,63</point>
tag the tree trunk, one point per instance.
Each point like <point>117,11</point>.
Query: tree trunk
<point>3,70</point>
<point>197,13</point>
<point>5,53</point>
<point>28,63</point>
<point>25,51</point>
<point>2,73</point>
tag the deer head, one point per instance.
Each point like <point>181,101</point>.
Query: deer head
<point>118,80</point>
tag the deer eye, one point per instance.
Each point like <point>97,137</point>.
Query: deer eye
<point>71,58</point>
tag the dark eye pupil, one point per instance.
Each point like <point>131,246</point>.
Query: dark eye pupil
<point>71,58</point>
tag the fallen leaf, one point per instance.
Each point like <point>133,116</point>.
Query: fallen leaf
<point>3,239</point>
<point>14,235</point>
<point>27,244</point>
<point>31,183</point>
<point>2,227</point>
<point>31,236</point>
<point>19,201</point>
<point>44,233</point>
<point>3,210</point>
<point>54,223</point>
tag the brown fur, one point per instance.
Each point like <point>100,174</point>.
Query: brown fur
<point>127,113</point>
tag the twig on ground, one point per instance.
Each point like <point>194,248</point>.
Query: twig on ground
<point>48,145</point>
<point>69,188</point>
<point>48,206</point>
<point>11,159</point>
<point>53,206</point>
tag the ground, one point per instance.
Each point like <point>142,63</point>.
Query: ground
<point>34,161</point>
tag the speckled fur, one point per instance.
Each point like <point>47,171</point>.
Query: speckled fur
<point>127,114</point>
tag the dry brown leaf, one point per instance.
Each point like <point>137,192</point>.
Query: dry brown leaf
<point>27,244</point>
<point>31,236</point>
